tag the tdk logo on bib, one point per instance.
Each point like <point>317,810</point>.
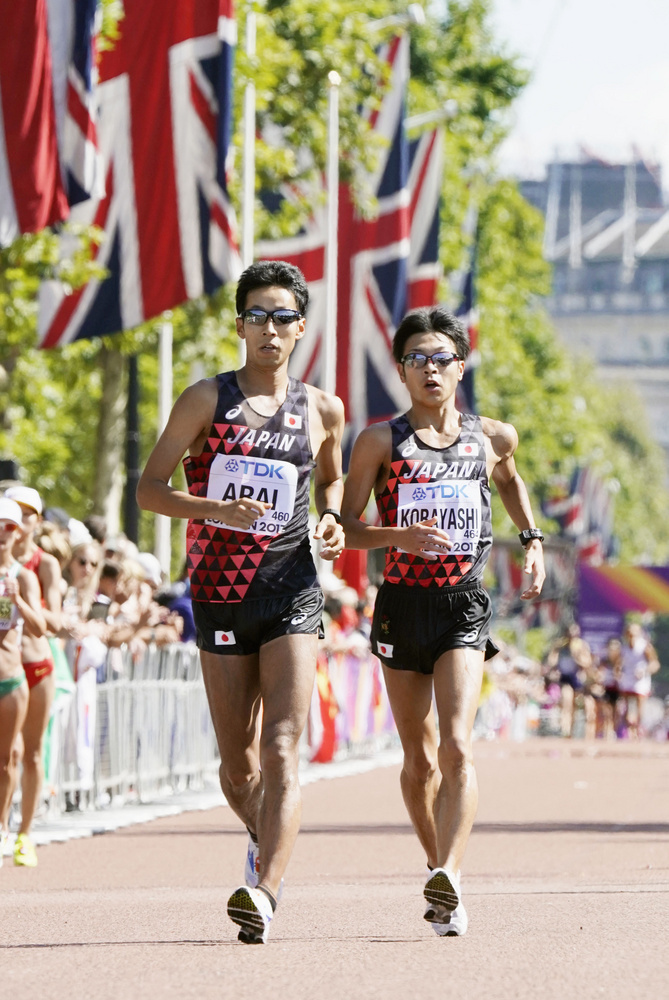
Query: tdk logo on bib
<point>269,482</point>
<point>292,420</point>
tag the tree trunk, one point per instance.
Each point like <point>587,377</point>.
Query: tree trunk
<point>109,460</point>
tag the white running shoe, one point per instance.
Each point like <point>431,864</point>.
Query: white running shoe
<point>454,926</point>
<point>444,905</point>
<point>252,867</point>
<point>252,910</point>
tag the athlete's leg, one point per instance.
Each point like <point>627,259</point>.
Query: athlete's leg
<point>13,709</point>
<point>590,712</point>
<point>34,727</point>
<point>410,696</point>
<point>287,672</point>
<point>566,710</point>
<point>233,691</point>
<point>457,686</point>
<point>633,714</point>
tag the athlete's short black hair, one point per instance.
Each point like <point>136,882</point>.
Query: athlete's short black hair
<point>268,273</point>
<point>431,320</point>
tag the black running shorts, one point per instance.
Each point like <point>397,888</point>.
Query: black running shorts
<point>414,626</point>
<point>242,627</point>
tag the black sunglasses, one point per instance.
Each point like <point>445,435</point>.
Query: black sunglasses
<point>442,359</point>
<point>280,317</point>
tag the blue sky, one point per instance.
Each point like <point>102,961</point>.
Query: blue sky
<point>600,78</point>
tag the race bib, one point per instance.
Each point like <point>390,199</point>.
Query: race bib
<point>233,477</point>
<point>456,504</point>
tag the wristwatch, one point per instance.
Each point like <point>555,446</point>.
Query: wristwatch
<point>528,534</point>
<point>335,514</point>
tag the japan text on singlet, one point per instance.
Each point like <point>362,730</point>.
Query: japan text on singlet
<point>450,484</point>
<point>270,462</point>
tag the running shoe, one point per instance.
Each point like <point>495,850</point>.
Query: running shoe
<point>252,910</point>
<point>252,867</point>
<point>24,852</point>
<point>453,926</point>
<point>442,894</point>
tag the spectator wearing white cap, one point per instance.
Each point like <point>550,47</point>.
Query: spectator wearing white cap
<point>38,664</point>
<point>20,606</point>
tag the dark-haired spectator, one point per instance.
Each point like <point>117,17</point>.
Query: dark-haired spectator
<point>97,528</point>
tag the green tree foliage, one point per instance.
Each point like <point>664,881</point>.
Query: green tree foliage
<point>49,400</point>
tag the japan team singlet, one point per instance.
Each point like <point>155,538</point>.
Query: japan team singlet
<point>270,462</point>
<point>450,484</point>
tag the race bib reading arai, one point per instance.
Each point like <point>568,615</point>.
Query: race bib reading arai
<point>456,504</point>
<point>233,477</point>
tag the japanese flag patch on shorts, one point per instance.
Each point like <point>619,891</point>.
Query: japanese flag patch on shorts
<point>225,638</point>
<point>385,649</point>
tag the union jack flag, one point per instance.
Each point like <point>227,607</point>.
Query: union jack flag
<point>32,195</point>
<point>469,315</point>
<point>385,264</point>
<point>82,162</point>
<point>164,131</point>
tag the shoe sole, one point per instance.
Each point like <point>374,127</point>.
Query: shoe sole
<point>244,912</point>
<point>442,896</point>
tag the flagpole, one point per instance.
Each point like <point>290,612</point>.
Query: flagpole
<point>329,359</point>
<point>249,159</point>
<point>163,546</point>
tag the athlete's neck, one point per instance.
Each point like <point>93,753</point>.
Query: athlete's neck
<point>6,558</point>
<point>442,421</point>
<point>267,388</point>
<point>24,548</point>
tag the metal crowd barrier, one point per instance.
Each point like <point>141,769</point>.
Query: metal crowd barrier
<point>135,729</point>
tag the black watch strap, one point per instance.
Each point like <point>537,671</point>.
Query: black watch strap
<point>529,534</point>
<point>335,514</point>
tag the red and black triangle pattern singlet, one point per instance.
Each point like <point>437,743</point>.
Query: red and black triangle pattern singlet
<point>272,462</point>
<point>450,484</point>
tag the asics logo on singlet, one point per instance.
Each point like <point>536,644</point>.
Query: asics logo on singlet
<point>409,448</point>
<point>234,412</point>
<point>298,619</point>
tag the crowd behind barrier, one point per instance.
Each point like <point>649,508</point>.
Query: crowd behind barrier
<point>130,719</point>
<point>139,726</point>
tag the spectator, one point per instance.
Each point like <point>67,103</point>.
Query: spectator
<point>38,665</point>
<point>639,663</point>
<point>19,603</point>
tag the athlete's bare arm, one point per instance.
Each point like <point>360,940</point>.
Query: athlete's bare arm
<point>501,442</point>
<point>49,578</point>
<point>24,592</point>
<point>369,468</point>
<point>186,431</point>
<point>326,424</point>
